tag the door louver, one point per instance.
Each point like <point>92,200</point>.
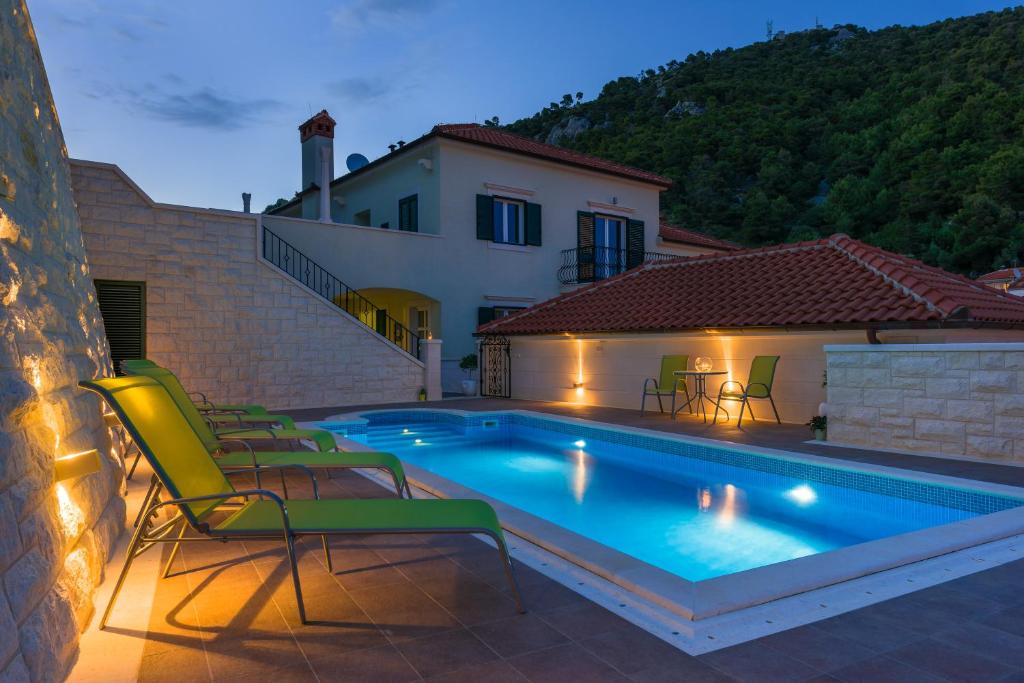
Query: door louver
<point>123,307</point>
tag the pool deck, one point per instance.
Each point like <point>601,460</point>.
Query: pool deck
<point>437,608</point>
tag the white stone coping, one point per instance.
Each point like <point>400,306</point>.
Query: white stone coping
<point>695,600</point>
<point>919,348</point>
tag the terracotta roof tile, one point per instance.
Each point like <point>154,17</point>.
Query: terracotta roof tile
<point>510,142</point>
<point>672,233</point>
<point>834,281</point>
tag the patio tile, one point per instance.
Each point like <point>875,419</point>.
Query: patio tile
<point>631,650</point>
<point>953,663</point>
<point>818,649</point>
<point>469,600</point>
<point>563,663</point>
<point>168,663</point>
<point>755,661</point>
<point>380,665</point>
<point>252,657</point>
<point>402,611</point>
<point>519,634</point>
<point>491,672</point>
<point>869,629</point>
<point>986,641</point>
<point>690,670</point>
<point>445,652</point>
<point>882,669</point>
<point>1009,620</point>
<point>584,620</point>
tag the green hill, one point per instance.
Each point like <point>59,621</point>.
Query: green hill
<point>909,138</point>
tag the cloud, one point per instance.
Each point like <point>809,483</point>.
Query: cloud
<point>199,108</point>
<point>356,90</point>
<point>124,25</point>
<point>359,14</point>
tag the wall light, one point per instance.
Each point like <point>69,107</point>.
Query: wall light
<point>76,464</point>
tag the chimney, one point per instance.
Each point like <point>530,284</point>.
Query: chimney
<point>317,138</point>
<point>246,202</point>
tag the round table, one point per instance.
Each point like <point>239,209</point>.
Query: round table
<point>700,380</point>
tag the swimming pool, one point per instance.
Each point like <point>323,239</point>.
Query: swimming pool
<point>695,509</point>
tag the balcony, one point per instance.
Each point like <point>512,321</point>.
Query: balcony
<point>590,264</point>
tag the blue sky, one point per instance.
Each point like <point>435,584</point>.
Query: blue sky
<point>199,101</point>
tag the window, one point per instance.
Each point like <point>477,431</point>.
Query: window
<point>123,308</point>
<point>362,218</point>
<point>609,258</point>
<point>508,221</point>
<point>422,323</point>
<point>408,214</point>
<point>506,311</point>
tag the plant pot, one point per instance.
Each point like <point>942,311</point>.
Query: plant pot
<point>819,434</point>
<point>469,387</point>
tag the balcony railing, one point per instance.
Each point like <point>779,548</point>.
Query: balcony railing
<point>309,273</point>
<point>590,264</point>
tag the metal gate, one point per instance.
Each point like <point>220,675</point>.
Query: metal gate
<point>496,367</point>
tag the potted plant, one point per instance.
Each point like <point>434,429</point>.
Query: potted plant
<point>819,425</point>
<point>469,365</point>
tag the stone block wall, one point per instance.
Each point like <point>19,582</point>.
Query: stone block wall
<point>230,325</point>
<point>963,400</point>
<point>54,537</point>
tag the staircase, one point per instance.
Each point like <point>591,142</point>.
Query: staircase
<point>300,267</point>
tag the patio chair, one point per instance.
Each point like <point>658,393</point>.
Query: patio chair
<point>130,367</point>
<point>199,491</point>
<point>759,385</point>
<point>249,427</point>
<point>667,384</point>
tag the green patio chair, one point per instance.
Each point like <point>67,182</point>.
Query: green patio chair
<point>201,498</point>
<point>759,385</point>
<point>667,384</point>
<point>249,427</point>
<point>129,367</point>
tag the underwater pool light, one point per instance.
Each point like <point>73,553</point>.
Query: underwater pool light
<point>579,443</point>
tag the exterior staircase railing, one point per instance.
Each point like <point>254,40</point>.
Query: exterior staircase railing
<point>297,265</point>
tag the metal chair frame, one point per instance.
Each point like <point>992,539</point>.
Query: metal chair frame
<point>659,394</point>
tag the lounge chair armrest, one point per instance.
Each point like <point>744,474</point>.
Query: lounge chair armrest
<point>227,495</point>
<point>248,430</point>
<point>290,466</point>
<point>248,447</point>
<point>759,384</point>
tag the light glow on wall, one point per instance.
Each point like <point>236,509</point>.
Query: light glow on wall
<point>578,382</point>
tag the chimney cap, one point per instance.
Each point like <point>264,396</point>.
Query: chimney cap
<point>320,123</point>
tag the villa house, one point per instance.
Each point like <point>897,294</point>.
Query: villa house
<point>1009,280</point>
<point>467,224</point>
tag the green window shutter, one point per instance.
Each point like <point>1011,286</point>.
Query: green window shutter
<point>408,213</point>
<point>634,243</point>
<point>584,246</point>
<point>533,224</point>
<point>484,217</point>
<point>123,308</point>
<point>484,315</point>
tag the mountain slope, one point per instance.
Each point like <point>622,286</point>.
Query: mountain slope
<point>909,138</point>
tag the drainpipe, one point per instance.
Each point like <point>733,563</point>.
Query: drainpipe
<point>325,185</point>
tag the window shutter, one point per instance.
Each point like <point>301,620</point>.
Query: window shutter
<point>533,224</point>
<point>484,315</point>
<point>484,217</point>
<point>123,308</point>
<point>634,244</point>
<point>584,246</point>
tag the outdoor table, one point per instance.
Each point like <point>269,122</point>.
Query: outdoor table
<point>700,381</point>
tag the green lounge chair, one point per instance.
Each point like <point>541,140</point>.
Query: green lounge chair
<point>210,431</point>
<point>759,385</point>
<point>667,384</point>
<point>199,490</point>
<point>130,366</point>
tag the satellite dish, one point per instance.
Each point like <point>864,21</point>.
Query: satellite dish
<point>354,162</point>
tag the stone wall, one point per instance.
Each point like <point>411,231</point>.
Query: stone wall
<point>230,325</point>
<point>54,538</point>
<point>964,400</point>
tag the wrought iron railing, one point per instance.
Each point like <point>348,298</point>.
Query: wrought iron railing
<point>307,271</point>
<point>590,264</point>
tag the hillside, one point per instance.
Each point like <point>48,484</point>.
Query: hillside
<point>909,138</point>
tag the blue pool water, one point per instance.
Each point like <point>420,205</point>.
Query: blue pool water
<point>694,510</point>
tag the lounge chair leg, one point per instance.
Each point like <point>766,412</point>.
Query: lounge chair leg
<point>147,500</point>
<point>772,401</point>
<point>509,572</point>
<point>661,408</point>
<point>290,542</point>
<point>284,484</point>
<point>129,557</point>
<point>138,457</point>
<point>327,554</point>
<point>398,484</point>
<point>174,549</point>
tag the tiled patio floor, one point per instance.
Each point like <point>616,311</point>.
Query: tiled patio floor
<point>418,607</point>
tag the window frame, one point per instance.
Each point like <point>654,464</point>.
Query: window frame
<point>501,230</point>
<point>413,214</point>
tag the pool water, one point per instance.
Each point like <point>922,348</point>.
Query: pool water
<point>695,517</point>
